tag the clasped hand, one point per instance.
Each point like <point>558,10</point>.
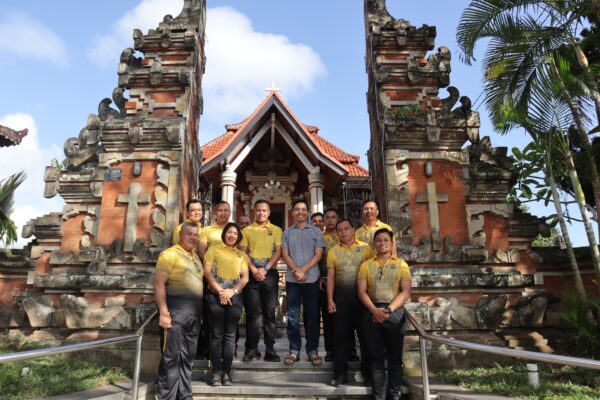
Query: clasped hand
<point>379,315</point>
<point>225,296</point>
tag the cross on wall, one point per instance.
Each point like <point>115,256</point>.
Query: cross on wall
<point>432,198</point>
<point>132,199</point>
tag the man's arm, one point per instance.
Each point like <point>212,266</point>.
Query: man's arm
<point>288,260</point>
<point>301,272</point>
<point>330,289</point>
<point>275,257</point>
<point>160,296</point>
<point>403,296</point>
<point>202,247</point>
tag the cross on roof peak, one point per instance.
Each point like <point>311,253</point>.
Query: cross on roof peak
<point>273,88</point>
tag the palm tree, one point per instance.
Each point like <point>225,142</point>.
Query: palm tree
<point>8,231</point>
<point>524,34</point>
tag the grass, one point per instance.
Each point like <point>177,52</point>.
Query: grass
<point>49,376</point>
<point>511,380</point>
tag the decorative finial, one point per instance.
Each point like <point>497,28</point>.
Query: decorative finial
<point>273,88</point>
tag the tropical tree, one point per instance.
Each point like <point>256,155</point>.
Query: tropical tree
<point>524,35</point>
<point>8,231</point>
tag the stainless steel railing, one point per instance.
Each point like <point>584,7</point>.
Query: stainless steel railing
<point>72,348</point>
<point>502,351</point>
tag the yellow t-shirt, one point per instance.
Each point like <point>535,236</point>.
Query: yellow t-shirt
<point>177,231</point>
<point>365,234</point>
<point>184,270</point>
<point>383,281</point>
<point>227,264</point>
<point>261,240</point>
<point>346,261</point>
<point>211,235</point>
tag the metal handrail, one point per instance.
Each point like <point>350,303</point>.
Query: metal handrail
<point>71,348</point>
<point>502,351</point>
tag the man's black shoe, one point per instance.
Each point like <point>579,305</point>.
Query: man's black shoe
<point>328,357</point>
<point>338,380</point>
<point>202,355</point>
<point>272,356</point>
<point>353,357</point>
<point>215,379</point>
<point>226,379</point>
<point>251,355</point>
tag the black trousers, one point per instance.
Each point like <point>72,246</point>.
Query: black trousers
<point>204,336</point>
<point>261,296</point>
<point>327,322</point>
<point>346,321</point>
<point>384,342</point>
<point>178,345</point>
<point>224,320</point>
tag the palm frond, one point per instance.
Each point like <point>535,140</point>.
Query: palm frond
<point>8,233</point>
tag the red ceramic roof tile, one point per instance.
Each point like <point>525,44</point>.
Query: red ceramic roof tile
<point>10,137</point>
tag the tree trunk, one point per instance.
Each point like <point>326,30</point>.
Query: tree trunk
<point>565,234</point>
<point>584,215</point>
<point>584,64</point>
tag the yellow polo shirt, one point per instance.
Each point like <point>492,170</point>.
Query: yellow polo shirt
<point>261,240</point>
<point>383,281</point>
<point>346,262</point>
<point>211,235</point>
<point>365,234</point>
<point>330,241</point>
<point>184,270</point>
<point>177,231</point>
<point>227,264</point>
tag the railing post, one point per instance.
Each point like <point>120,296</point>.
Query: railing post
<point>424,370</point>
<point>136,368</point>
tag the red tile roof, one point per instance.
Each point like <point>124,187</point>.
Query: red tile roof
<point>10,137</point>
<point>348,161</point>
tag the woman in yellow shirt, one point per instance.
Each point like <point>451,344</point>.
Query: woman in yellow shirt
<point>384,284</point>
<point>226,269</point>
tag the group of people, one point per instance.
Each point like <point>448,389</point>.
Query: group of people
<point>350,279</point>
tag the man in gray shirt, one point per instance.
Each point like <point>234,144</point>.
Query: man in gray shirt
<point>302,249</point>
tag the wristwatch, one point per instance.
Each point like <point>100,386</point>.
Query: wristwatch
<point>388,310</point>
<point>235,291</point>
<point>267,267</point>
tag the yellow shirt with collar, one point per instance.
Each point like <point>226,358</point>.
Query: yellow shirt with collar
<point>365,234</point>
<point>227,264</point>
<point>346,261</point>
<point>177,231</point>
<point>261,240</point>
<point>211,235</point>
<point>383,280</point>
<point>184,270</point>
<point>330,241</point>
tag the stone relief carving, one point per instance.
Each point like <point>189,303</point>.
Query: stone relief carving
<point>105,111</point>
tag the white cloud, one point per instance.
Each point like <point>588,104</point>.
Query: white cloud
<point>23,36</point>
<point>241,62</point>
<point>32,158</point>
<point>107,48</point>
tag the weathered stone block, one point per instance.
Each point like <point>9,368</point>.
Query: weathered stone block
<point>489,311</point>
<point>448,315</point>
<point>39,310</point>
<point>421,313</point>
<point>531,311</point>
<point>510,319</point>
<point>79,314</point>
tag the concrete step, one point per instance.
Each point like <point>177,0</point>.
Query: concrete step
<point>526,342</point>
<point>278,389</point>
<point>301,371</point>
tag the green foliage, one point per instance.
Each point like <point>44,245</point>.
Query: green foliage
<point>511,380</point>
<point>8,231</point>
<point>550,241</point>
<point>49,376</point>
<point>404,111</point>
<point>584,340</point>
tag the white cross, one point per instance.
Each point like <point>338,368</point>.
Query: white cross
<point>273,88</point>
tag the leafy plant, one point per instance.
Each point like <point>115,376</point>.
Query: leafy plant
<point>8,231</point>
<point>584,339</point>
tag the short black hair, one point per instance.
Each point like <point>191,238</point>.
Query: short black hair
<point>317,214</point>
<point>262,201</point>
<point>331,209</point>
<point>383,231</point>
<point>237,228</point>
<point>188,224</point>
<point>369,201</point>
<point>344,220</point>
<point>218,203</point>
<point>192,201</point>
<point>298,201</point>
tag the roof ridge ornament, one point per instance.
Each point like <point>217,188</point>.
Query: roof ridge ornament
<point>273,88</point>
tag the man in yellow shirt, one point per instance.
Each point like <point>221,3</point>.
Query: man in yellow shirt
<point>178,293</point>
<point>193,212</point>
<point>330,237</point>
<point>343,262</point>
<point>372,223</point>
<point>262,242</point>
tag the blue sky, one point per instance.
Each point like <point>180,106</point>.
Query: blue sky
<point>58,59</point>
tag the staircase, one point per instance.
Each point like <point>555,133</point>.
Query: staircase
<point>261,379</point>
<point>525,339</point>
